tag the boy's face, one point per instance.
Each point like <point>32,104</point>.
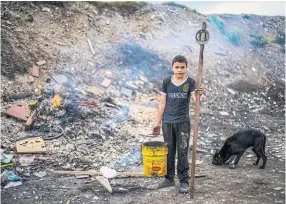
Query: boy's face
<point>179,69</point>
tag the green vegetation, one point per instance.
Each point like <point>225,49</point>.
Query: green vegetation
<point>260,41</point>
<point>171,3</point>
<point>128,7</point>
<point>280,39</point>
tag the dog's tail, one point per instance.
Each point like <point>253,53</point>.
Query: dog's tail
<point>264,144</point>
<point>261,144</point>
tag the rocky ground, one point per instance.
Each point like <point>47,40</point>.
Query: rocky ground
<point>109,98</point>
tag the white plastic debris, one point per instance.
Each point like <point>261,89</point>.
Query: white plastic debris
<point>40,174</point>
<point>26,160</point>
<point>13,184</point>
<point>108,172</point>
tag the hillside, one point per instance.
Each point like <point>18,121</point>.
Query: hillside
<point>134,44</point>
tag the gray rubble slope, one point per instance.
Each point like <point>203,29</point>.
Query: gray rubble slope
<point>145,39</point>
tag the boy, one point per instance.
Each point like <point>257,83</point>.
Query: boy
<point>173,111</point>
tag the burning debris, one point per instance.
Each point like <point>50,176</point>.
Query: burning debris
<point>56,101</point>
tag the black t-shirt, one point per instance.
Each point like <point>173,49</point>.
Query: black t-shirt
<point>178,100</point>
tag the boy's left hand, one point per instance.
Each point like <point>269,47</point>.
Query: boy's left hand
<point>200,91</point>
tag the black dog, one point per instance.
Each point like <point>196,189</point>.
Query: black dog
<point>235,146</point>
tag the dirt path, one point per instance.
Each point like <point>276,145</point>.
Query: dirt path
<point>246,184</point>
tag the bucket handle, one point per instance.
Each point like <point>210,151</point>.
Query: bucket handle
<point>151,135</point>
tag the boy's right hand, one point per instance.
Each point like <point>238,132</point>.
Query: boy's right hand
<point>156,130</point>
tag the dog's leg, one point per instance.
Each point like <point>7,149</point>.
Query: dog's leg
<point>233,165</point>
<point>230,159</point>
<point>258,157</point>
<point>264,158</point>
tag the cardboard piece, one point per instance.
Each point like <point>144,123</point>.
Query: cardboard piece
<point>31,145</point>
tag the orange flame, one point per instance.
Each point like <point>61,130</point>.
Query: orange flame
<point>56,101</point>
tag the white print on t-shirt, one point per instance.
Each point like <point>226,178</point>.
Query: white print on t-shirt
<point>178,95</point>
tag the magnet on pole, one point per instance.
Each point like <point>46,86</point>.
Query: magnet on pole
<point>202,36</point>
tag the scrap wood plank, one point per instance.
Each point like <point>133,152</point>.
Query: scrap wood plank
<point>31,120</point>
<point>19,111</point>
<point>91,48</point>
<point>119,174</point>
<point>97,173</point>
<point>104,182</point>
<point>31,145</point>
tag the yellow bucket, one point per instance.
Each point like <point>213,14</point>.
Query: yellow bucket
<point>155,158</point>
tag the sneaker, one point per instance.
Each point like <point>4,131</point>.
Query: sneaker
<point>166,183</point>
<point>184,188</point>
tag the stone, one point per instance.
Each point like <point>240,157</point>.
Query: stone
<point>105,83</point>
<point>45,9</point>
<point>223,113</point>
<point>42,62</point>
<point>249,155</point>
<point>278,188</point>
<point>126,92</point>
<point>123,189</point>
<point>231,91</point>
<point>130,85</point>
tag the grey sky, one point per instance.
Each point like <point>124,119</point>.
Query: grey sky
<point>271,8</point>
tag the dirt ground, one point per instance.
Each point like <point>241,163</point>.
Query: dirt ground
<point>245,184</point>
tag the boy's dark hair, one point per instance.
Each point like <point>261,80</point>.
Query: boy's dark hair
<point>181,59</point>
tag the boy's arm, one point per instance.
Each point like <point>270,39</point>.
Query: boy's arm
<point>161,110</point>
<point>194,96</point>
